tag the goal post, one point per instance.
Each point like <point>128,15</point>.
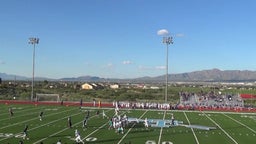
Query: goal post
<point>48,97</point>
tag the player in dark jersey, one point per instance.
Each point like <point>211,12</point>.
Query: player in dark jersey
<point>85,122</point>
<point>172,119</point>
<point>10,112</point>
<point>41,115</point>
<point>25,132</point>
<point>88,114</point>
<point>69,122</point>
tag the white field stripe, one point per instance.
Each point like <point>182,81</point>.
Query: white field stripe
<point>191,128</point>
<point>161,131</point>
<point>221,128</point>
<point>15,111</point>
<point>22,111</point>
<point>13,117</point>
<point>215,112</point>
<point>240,123</point>
<point>60,130</point>
<point>131,128</point>
<point>96,129</point>
<point>32,119</point>
<point>41,125</point>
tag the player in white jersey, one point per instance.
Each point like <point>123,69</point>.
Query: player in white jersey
<point>146,122</point>
<point>104,115</point>
<point>78,137</point>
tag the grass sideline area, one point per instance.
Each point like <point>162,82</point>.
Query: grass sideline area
<point>232,127</point>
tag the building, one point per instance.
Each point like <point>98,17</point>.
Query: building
<point>87,86</point>
<point>114,86</point>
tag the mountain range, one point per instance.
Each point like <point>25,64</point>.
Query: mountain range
<point>213,75</point>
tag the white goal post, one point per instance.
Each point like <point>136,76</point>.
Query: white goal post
<point>48,97</point>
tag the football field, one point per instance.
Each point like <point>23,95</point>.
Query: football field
<point>231,128</point>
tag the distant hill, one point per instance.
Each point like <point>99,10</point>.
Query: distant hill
<point>84,78</point>
<point>5,76</point>
<point>215,75</point>
<point>212,75</point>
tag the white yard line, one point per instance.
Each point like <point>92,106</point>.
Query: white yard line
<point>40,125</point>
<point>240,123</point>
<point>221,129</point>
<point>191,128</point>
<point>95,131</point>
<point>130,128</point>
<point>61,130</point>
<point>36,117</point>
<point>161,131</point>
<point>15,111</point>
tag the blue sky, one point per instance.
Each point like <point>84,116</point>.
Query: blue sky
<point>118,38</point>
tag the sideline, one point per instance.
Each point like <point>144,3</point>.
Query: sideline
<point>221,128</point>
<point>191,128</point>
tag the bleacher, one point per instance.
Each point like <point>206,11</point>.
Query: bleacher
<point>211,100</point>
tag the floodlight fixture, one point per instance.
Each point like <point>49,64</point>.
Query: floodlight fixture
<point>167,41</point>
<point>33,41</point>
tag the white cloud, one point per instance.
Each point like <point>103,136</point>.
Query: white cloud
<point>127,62</point>
<point>162,32</point>
<point>152,68</point>
<point>160,67</point>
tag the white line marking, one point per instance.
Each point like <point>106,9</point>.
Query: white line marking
<point>221,128</point>
<point>130,129</point>
<point>19,111</point>
<point>240,123</point>
<point>38,126</point>
<point>95,131</point>
<point>191,128</point>
<point>61,130</point>
<point>161,131</point>
<point>34,119</point>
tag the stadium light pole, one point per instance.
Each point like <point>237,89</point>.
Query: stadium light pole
<point>167,40</point>
<point>33,41</point>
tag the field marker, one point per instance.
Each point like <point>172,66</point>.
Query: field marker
<point>222,129</point>
<point>191,128</point>
<point>240,123</point>
<point>131,128</point>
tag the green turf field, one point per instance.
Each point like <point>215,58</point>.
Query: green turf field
<point>234,128</point>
